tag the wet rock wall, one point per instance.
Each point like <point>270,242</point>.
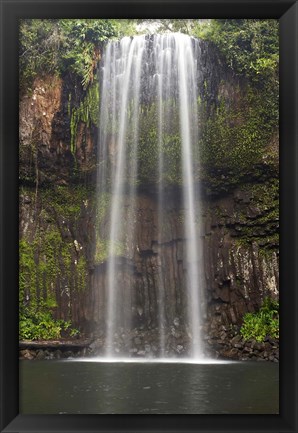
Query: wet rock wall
<point>58,148</point>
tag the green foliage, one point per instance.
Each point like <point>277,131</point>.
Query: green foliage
<point>64,201</point>
<point>234,138</point>
<point>103,246</point>
<point>35,312</point>
<point>38,50</point>
<point>262,324</point>
<point>51,263</point>
<point>56,46</point>
<point>262,229</point>
<point>39,324</point>
<point>166,25</point>
<point>250,46</point>
<point>83,39</point>
<point>236,132</point>
<point>150,150</point>
<point>148,144</point>
<point>103,204</point>
<point>87,112</point>
<point>40,266</point>
<point>124,27</point>
<point>87,30</point>
<point>266,198</point>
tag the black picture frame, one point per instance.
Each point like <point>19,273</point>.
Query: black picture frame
<point>11,11</point>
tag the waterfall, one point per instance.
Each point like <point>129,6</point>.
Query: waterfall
<point>147,77</point>
<point>188,125</point>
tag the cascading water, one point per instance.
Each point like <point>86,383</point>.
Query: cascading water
<point>140,75</point>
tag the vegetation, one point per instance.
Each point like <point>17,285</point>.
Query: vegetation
<point>234,138</point>
<point>149,146</point>
<point>236,132</point>
<point>263,227</point>
<point>59,46</point>
<point>262,324</point>
<point>187,26</point>
<point>55,45</point>
<point>51,263</point>
<point>124,27</point>
<point>41,265</point>
<point>238,127</point>
<point>240,134</point>
<point>87,112</point>
<point>66,202</point>
<point>39,324</point>
<point>250,46</point>
<point>36,312</point>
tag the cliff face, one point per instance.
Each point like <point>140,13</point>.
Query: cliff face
<point>58,148</point>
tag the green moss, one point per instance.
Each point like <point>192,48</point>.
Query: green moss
<point>234,139</point>
<point>148,144</point>
<point>104,247</point>
<point>51,262</point>
<point>103,203</point>
<point>150,150</point>
<point>256,220</point>
<point>54,257</point>
<point>266,194</point>
<point>41,263</point>
<point>69,105</point>
<point>87,112</point>
<point>82,273</point>
<point>65,201</point>
<point>27,274</point>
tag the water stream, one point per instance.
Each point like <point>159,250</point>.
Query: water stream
<point>140,72</point>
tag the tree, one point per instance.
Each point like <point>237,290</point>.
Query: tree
<point>250,46</point>
<point>54,46</point>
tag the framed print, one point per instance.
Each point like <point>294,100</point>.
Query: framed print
<point>148,218</point>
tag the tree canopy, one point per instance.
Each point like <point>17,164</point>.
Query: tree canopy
<point>49,46</point>
<point>250,46</point>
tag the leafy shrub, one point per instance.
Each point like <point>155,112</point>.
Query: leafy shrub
<point>250,46</point>
<point>39,324</point>
<point>55,46</point>
<point>82,41</point>
<point>36,319</point>
<point>39,44</point>
<point>263,323</point>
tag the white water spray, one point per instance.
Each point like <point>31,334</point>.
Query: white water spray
<point>139,72</point>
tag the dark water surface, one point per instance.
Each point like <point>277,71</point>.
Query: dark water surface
<point>48,387</point>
